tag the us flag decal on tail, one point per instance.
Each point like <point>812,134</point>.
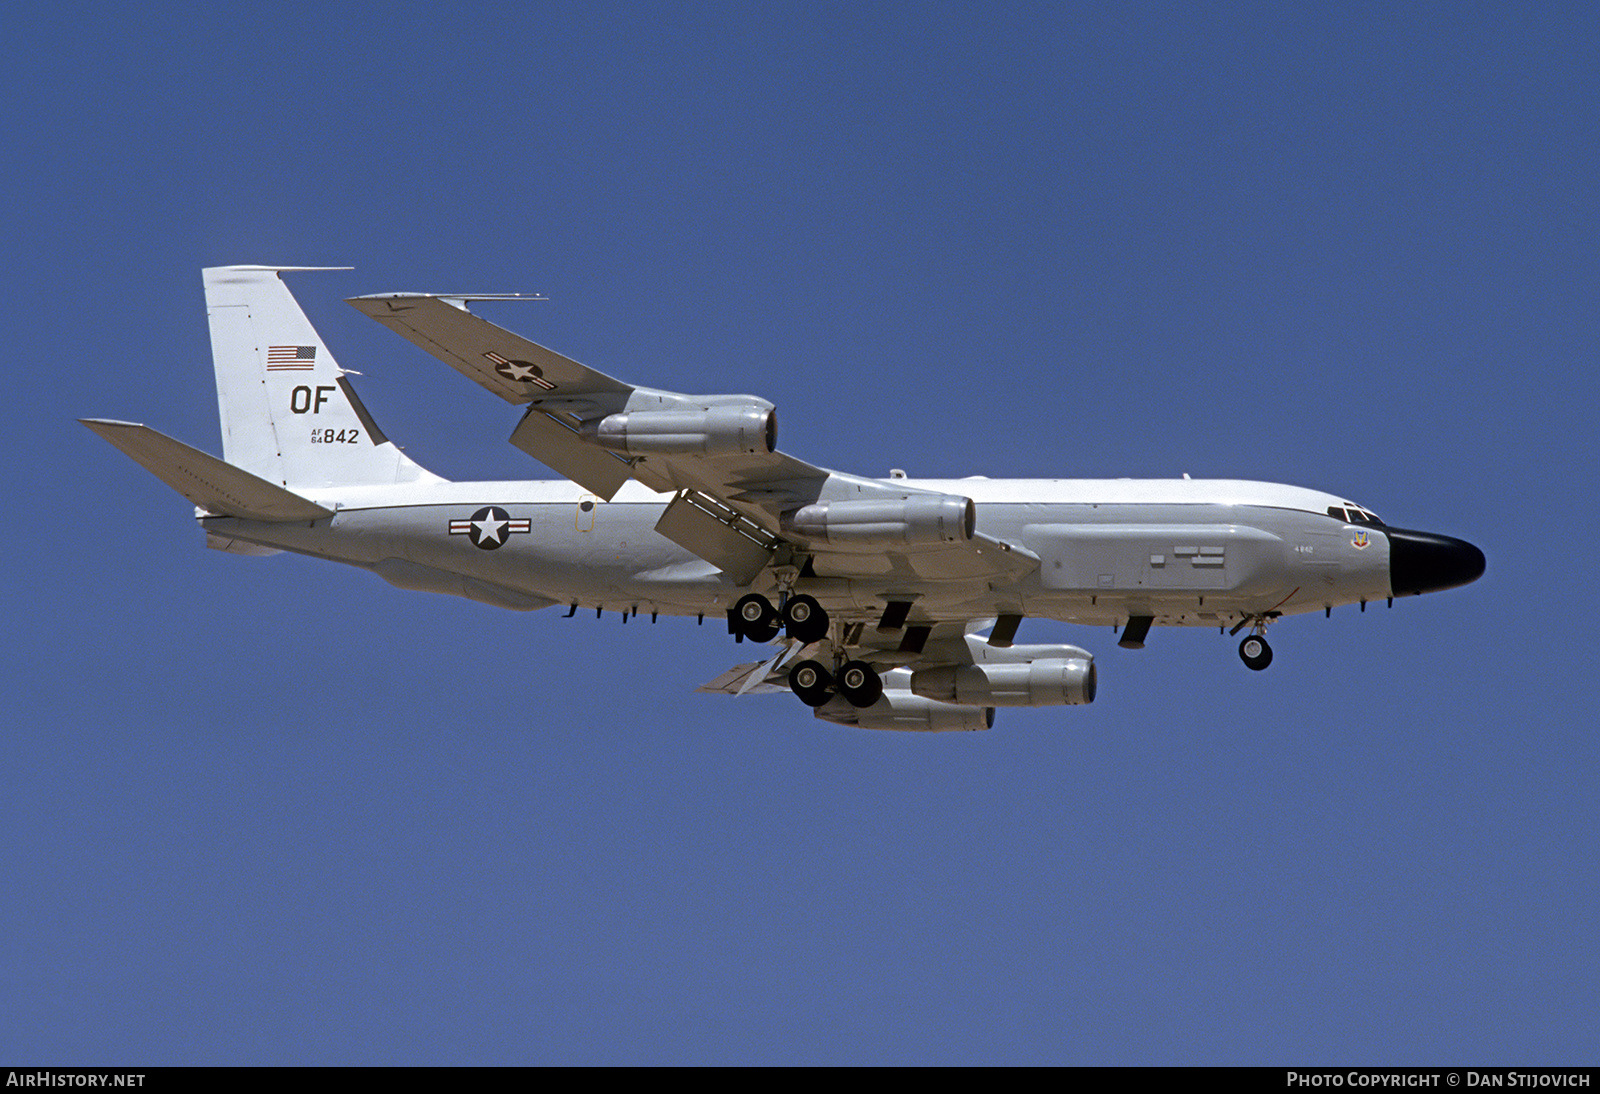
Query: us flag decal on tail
<point>284,358</point>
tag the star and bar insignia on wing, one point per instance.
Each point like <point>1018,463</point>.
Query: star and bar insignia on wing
<point>489,527</point>
<point>522,372</point>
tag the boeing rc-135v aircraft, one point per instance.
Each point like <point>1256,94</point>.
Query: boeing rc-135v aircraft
<point>881,589</point>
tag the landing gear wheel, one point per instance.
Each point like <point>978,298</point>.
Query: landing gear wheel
<point>756,618</point>
<point>805,619</point>
<point>811,682</point>
<point>859,683</point>
<point>1255,652</point>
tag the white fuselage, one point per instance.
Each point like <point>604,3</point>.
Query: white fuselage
<point>1182,551</point>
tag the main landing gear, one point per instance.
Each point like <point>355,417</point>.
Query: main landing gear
<point>857,681</point>
<point>811,682</point>
<point>754,617</point>
<point>805,621</point>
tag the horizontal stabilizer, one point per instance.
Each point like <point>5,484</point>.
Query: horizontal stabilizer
<point>212,484</point>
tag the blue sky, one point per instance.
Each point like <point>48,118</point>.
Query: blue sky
<point>275,811</point>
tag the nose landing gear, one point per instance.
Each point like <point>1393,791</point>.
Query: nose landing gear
<point>1255,652</point>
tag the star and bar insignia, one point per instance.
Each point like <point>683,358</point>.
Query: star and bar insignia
<point>522,372</point>
<point>489,527</point>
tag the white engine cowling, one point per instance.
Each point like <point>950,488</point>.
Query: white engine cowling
<point>1054,681</point>
<point>945,518</point>
<point>715,431</point>
<point>901,710</point>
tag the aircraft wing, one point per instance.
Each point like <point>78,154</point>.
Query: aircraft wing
<point>517,370</point>
<point>563,395</point>
<point>734,491</point>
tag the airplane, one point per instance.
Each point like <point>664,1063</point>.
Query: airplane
<point>885,603</point>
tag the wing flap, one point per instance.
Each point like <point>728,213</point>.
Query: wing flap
<point>698,524</point>
<point>556,446</point>
<point>212,484</point>
<point>743,680</point>
<point>758,678</point>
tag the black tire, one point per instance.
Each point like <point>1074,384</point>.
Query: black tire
<point>805,619</point>
<point>859,683</point>
<point>1255,652</point>
<point>811,682</point>
<point>755,618</point>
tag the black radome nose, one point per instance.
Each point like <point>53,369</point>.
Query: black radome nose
<point>1421,562</point>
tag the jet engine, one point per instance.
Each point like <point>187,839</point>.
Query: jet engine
<point>897,709</point>
<point>1046,682</point>
<point>929,519</point>
<point>714,431</point>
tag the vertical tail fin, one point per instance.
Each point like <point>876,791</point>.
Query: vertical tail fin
<point>288,413</point>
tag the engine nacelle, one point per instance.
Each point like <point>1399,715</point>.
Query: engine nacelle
<point>1048,682</point>
<point>714,431</point>
<point>871,523</point>
<point>897,709</point>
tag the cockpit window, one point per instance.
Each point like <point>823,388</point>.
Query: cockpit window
<point>1354,514</point>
